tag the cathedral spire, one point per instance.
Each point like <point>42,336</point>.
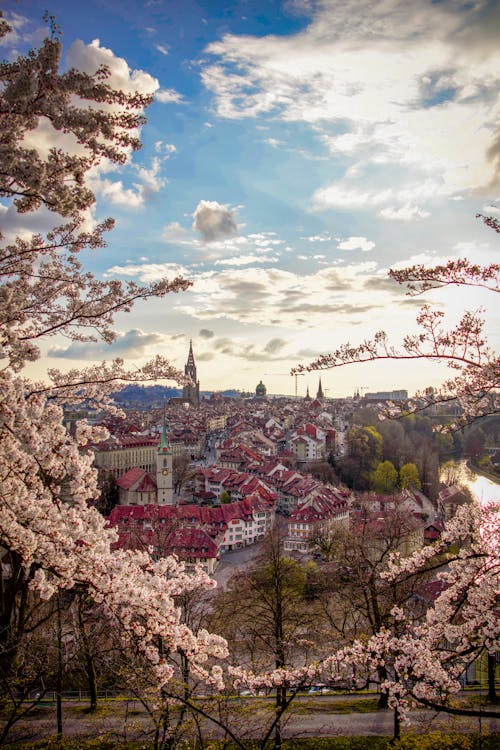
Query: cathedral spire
<point>320,390</point>
<point>190,360</point>
<point>191,392</point>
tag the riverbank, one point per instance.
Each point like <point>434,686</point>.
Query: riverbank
<point>482,472</point>
<point>484,488</point>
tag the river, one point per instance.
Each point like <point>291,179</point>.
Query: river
<point>482,488</point>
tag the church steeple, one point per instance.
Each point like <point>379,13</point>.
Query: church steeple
<point>191,393</point>
<point>320,390</point>
<point>164,444</point>
<point>190,365</point>
<point>164,461</point>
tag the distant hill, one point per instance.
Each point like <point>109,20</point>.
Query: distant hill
<point>149,395</point>
<point>144,394</point>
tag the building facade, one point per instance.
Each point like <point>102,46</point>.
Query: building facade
<point>115,456</point>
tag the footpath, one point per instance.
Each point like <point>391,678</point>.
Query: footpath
<point>310,716</point>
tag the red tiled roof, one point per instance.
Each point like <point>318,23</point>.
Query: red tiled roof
<point>189,514</point>
<point>147,484</point>
<point>190,542</point>
<point>132,476</point>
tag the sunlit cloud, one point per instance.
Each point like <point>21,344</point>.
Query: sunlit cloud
<point>169,96</point>
<point>214,221</point>
<point>390,83</point>
<point>356,243</point>
<point>133,344</point>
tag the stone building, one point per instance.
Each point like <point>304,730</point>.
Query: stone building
<point>191,392</point>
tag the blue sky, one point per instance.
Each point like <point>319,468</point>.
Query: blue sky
<point>294,152</point>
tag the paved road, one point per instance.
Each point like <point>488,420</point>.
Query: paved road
<point>381,723</point>
<point>128,719</point>
<point>235,561</point>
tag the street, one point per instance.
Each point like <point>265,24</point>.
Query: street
<point>235,561</point>
<point>308,717</point>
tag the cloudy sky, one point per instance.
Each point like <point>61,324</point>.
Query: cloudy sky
<point>295,151</point>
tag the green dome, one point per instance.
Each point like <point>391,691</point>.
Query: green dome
<point>261,389</point>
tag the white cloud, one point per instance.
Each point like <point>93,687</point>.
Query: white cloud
<point>318,238</point>
<point>117,193</point>
<point>173,232</point>
<point>169,96</point>
<point>166,149</point>
<point>260,295</point>
<point>356,243</point>
<point>89,57</point>
<point>24,225</point>
<point>150,183</point>
<point>224,249</point>
<point>395,83</point>
<point>393,203</point>
<point>162,49</point>
<point>21,34</point>
<point>274,142</point>
<point>148,272</point>
<point>214,221</point>
<point>491,209</point>
<point>246,260</point>
<point>146,180</point>
<point>150,180</point>
<point>407,212</point>
<point>133,344</point>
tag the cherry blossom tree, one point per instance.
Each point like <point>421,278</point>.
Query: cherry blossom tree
<point>50,539</point>
<point>426,659</point>
<point>476,380</point>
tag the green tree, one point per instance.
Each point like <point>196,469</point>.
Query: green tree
<point>225,497</point>
<point>265,615</point>
<point>354,600</point>
<point>409,478</point>
<point>323,471</point>
<point>182,471</point>
<point>474,442</point>
<point>385,478</point>
<point>364,451</point>
<point>451,472</point>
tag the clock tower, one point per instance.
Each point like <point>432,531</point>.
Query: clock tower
<point>164,480</point>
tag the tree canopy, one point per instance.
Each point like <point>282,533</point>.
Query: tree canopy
<point>51,539</point>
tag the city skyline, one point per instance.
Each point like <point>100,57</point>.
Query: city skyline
<point>294,153</point>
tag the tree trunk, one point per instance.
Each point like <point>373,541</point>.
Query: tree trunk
<point>89,659</point>
<point>397,726</point>
<point>280,703</point>
<point>59,675</point>
<point>492,693</point>
<point>383,698</point>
